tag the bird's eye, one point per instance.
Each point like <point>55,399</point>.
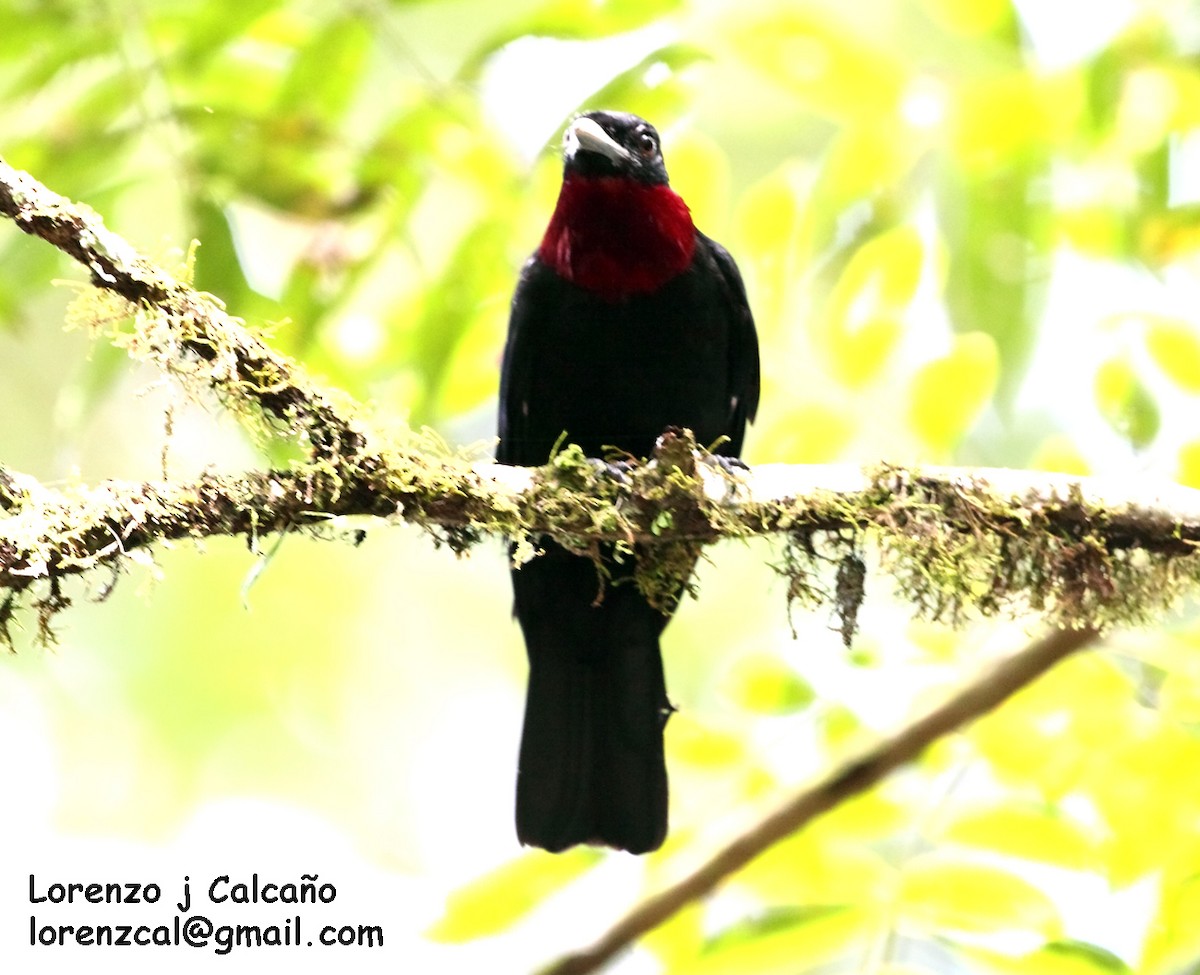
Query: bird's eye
<point>646,143</point>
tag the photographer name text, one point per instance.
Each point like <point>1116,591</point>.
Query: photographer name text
<point>191,928</point>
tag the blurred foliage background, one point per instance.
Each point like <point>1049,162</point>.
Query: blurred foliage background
<point>969,232</point>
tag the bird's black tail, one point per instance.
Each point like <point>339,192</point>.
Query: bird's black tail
<point>591,764</point>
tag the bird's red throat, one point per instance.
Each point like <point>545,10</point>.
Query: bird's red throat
<point>618,237</point>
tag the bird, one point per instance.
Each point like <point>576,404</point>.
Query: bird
<point>625,321</point>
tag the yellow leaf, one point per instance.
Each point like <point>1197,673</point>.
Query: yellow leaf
<point>943,893</point>
<point>1032,832</point>
<point>839,726</point>
<point>1058,453</point>
<point>677,941</point>
<point>948,394</point>
<point>895,968</point>
<point>1179,697</point>
<point>768,213</point>
<point>1188,471</point>
<point>762,683</point>
<point>1000,116</point>
<point>972,19</point>
<point>811,432</point>
<point>807,869</point>
<point>859,355</point>
<point>875,288</point>
<point>1142,791</point>
<point>1174,344</point>
<point>1146,111</point>
<point>1173,941</point>
<point>1092,227</point>
<point>826,62</point>
<point>866,162</point>
<point>700,173</point>
<point>706,746</point>
<point>497,900</point>
<point>1112,385</point>
<point>1050,734</point>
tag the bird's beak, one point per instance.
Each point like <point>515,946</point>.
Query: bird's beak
<point>586,135</point>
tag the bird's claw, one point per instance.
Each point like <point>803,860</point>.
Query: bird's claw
<point>730,465</point>
<point>617,470</point>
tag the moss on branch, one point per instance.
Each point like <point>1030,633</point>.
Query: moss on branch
<point>185,332</point>
<point>955,542</point>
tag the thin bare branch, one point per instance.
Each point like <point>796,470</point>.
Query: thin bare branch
<point>987,691</point>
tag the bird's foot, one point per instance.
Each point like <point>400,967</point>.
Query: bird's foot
<point>617,470</point>
<point>730,465</point>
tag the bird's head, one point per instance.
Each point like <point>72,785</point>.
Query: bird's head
<point>618,228</point>
<point>613,144</point>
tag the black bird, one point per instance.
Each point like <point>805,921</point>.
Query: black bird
<point>627,320</point>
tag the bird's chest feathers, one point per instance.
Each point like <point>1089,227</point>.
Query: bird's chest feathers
<point>618,237</point>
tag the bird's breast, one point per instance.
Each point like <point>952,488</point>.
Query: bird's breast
<point>617,237</point>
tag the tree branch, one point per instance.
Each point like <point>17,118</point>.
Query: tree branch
<point>1085,553</point>
<point>981,695</point>
<point>1080,551</point>
<point>176,319</point>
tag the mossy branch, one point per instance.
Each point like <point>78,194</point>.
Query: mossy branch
<point>1079,551</point>
<point>1085,553</point>
<point>181,329</point>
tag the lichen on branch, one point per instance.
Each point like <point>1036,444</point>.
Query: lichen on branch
<point>182,330</point>
<point>1081,552</point>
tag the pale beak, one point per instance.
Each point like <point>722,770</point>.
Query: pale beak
<point>586,135</point>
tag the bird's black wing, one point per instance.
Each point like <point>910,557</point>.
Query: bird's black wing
<point>743,347</point>
<point>516,370</point>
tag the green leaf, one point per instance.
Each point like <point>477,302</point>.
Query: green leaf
<point>772,943</point>
<point>1125,402</point>
<point>653,87</point>
<point>42,64</point>
<point>475,273</point>
<point>89,386</point>
<point>662,522</point>
<point>195,34</point>
<point>22,260</point>
<point>1056,958</point>
<point>996,233</point>
<point>569,20</point>
<point>499,899</point>
<point>218,268</point>
<point>327,71</point>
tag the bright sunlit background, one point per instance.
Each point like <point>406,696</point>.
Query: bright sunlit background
<point>969,229</point>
